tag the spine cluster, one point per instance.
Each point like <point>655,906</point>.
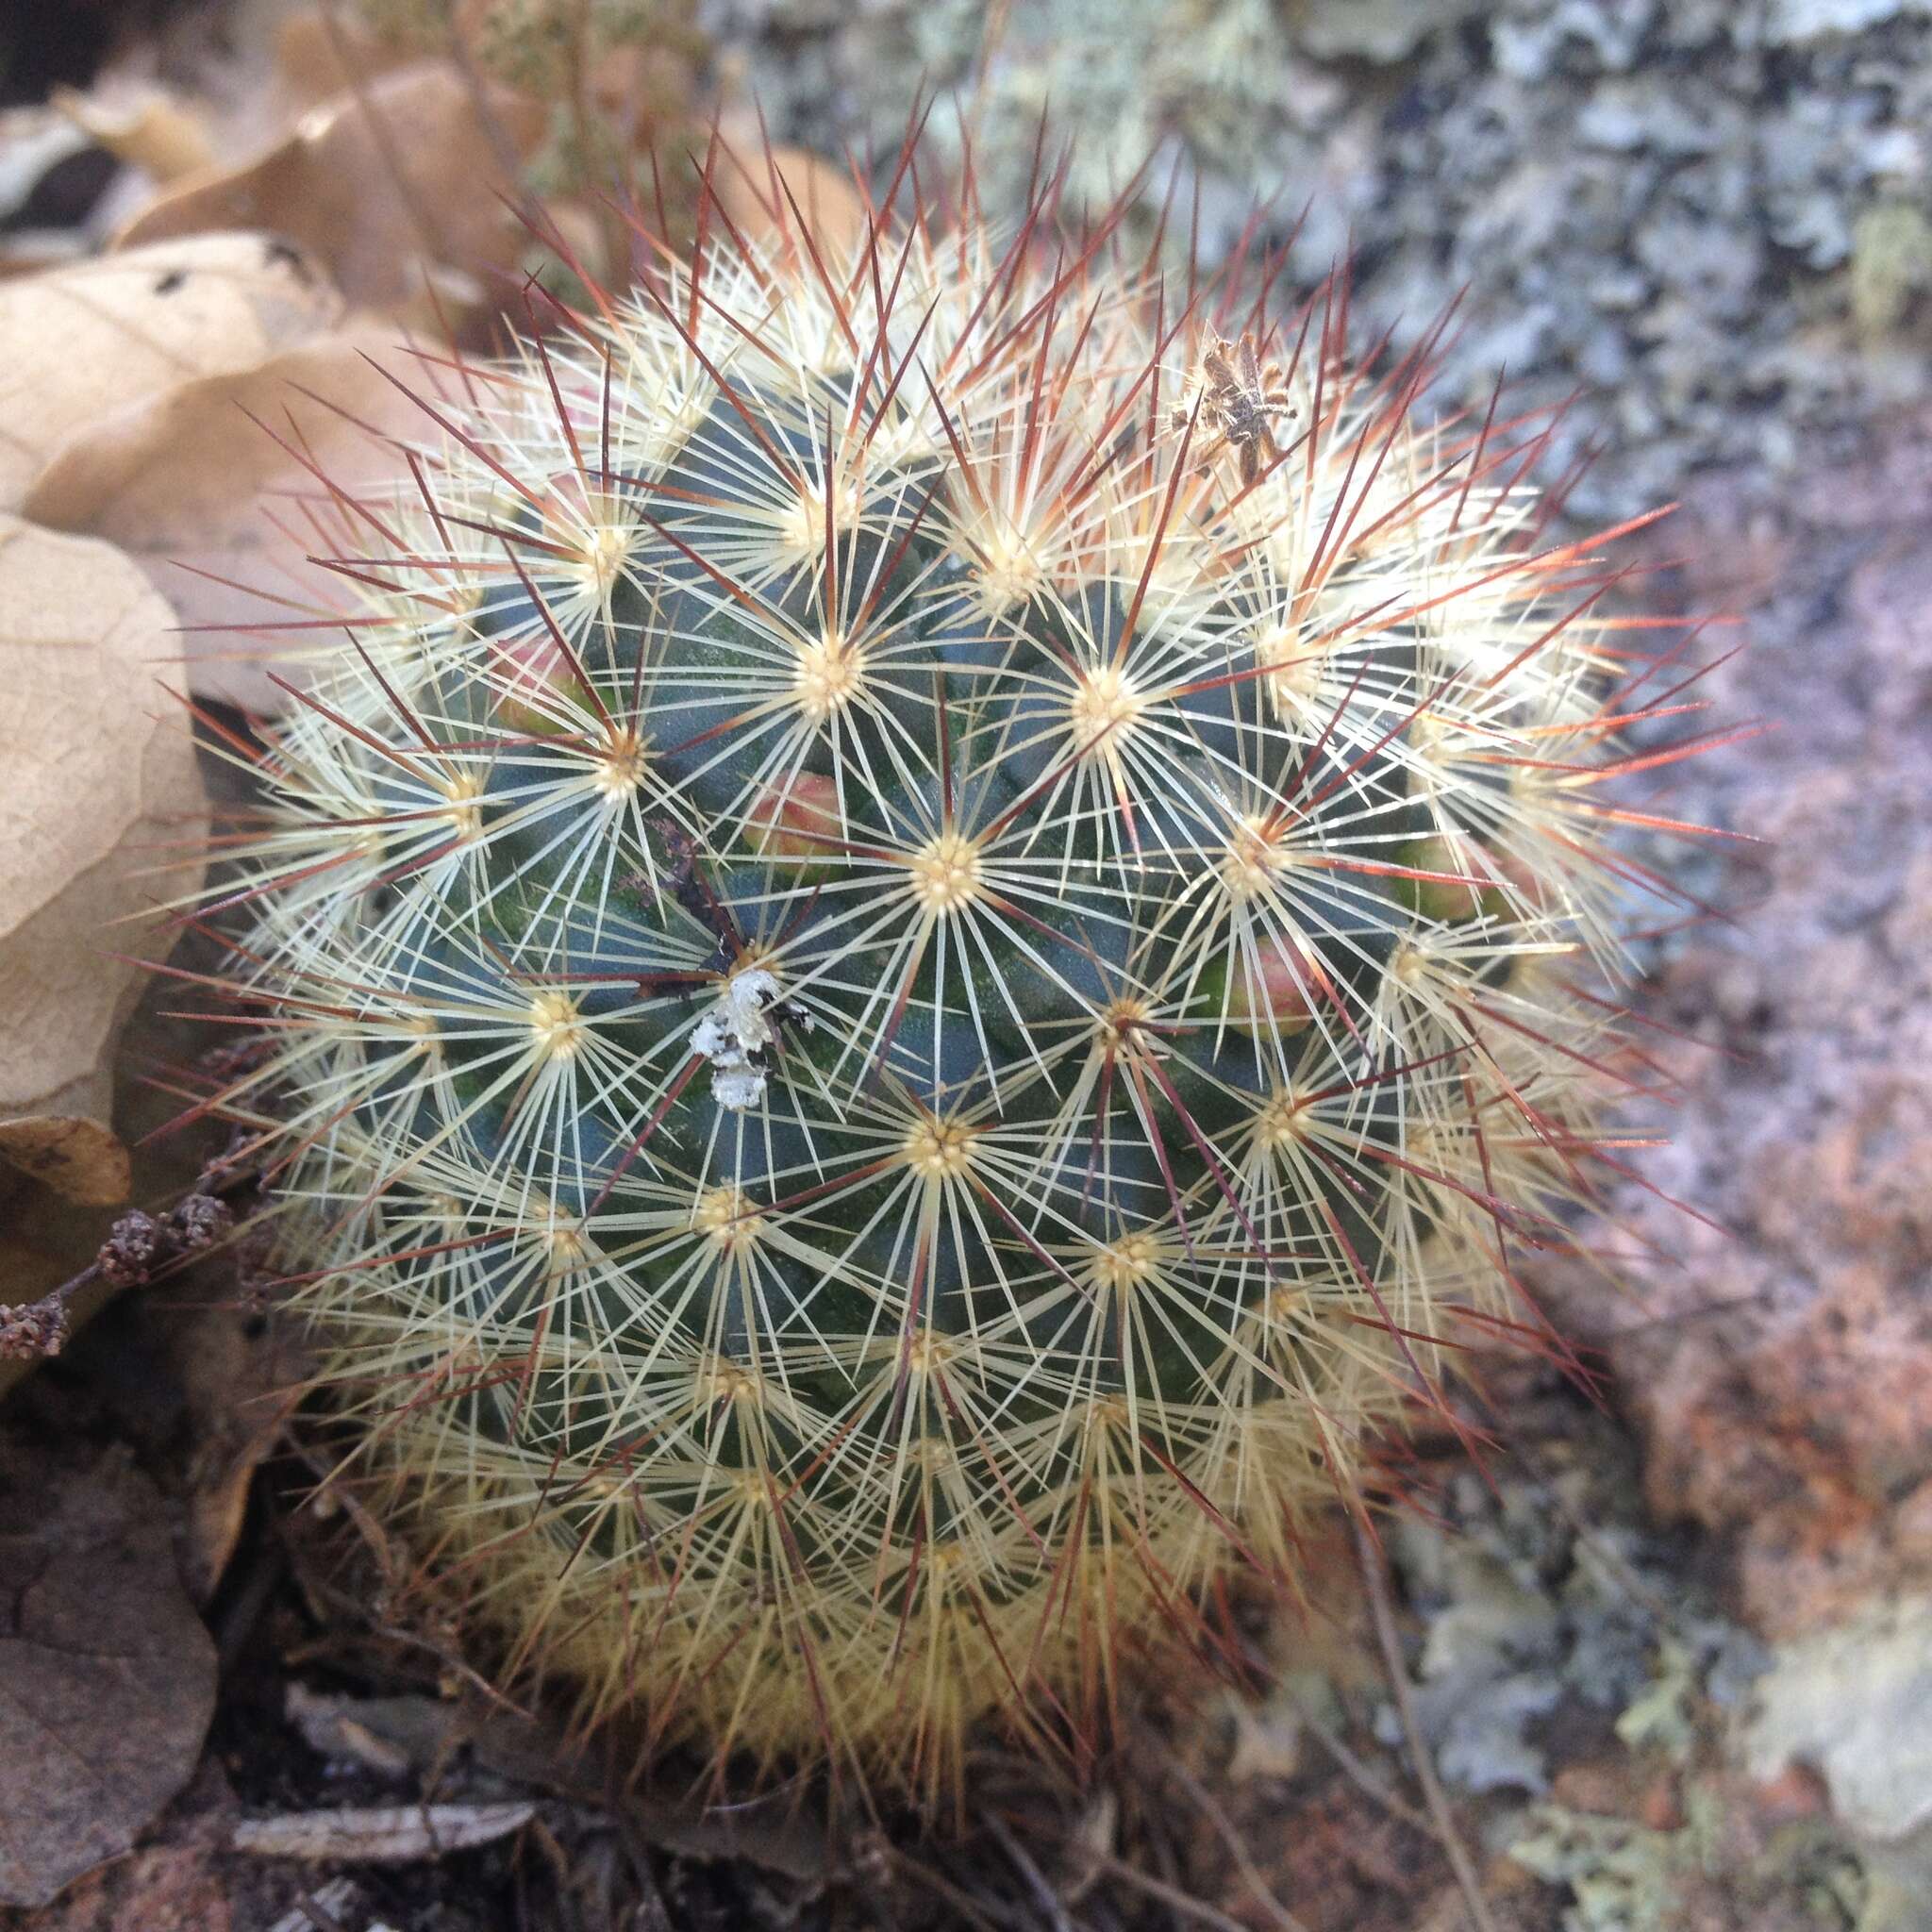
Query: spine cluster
<point>943,929</point>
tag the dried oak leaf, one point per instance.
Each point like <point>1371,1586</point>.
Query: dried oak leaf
<point>101,816</point>
<point>320,54</point>
<point>211,490</point>
<point>94,337</point>
<point>142,125</point>
<point>106,1675</point>
<point>78,1157</point>
<point>397,189</point>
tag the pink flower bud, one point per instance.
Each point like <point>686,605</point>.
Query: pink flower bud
<point>1287,982</point>
<point>797,820</point>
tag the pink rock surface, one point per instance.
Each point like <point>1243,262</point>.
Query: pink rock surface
<point>1782,1371</point>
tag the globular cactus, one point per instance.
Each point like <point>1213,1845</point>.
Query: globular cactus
<point>937,939</point>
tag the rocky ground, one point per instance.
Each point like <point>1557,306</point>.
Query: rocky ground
<point>1672,1656</point>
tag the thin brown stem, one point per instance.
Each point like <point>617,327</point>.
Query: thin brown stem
<point>1224,1829</point>
<point>1171,1896</point>
<point>1386,1636</point>
<point>140,1249</point>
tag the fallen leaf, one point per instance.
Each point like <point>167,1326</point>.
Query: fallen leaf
<point>80,1159</point>
<point>239,1382</point>
<point>142,125</point>
<point>398,190</point>
<point>217,1507</point>
<point>181,1877</point>
<point>101,812</point>
<point>106,1675</point>
<point>381,1833</point>
<point>227,107</point>
<point>310,51</point>
<point>195,488</point>
<point>82,341</point>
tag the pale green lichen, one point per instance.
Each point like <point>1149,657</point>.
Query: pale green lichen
<point>1856,1702</point>
<point>1891,266</point>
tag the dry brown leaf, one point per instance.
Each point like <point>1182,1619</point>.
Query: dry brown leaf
<point>400,202</point>
<point>807,184</point>
<point>101,816</point>
<point>82,341</point>
<point>195,488</point>
<point>181,1877</point>
<point>308,58</point>
<point>142,125</point>
<point>78,1157</point>
<point>107,1676</point>
<point>217,1508</point>
<point>272,67</point>
<point>237,1383</point>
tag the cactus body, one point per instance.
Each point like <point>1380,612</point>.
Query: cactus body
<point>922,975</point>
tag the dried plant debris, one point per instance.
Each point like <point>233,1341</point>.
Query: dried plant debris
<point>380,1834</point>
<point>403,191</point>
<point>101,818</point>
<point>1659,203</point>
<point>86,339</point>
<point>138,1248</point>
<point>215,489</point>
<point>107,1676</point>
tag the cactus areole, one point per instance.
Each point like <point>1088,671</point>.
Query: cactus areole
<point>926,962</point>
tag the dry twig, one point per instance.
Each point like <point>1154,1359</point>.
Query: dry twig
<point>140,1248</point>
<point>1225,1829</point>
<point>1433,1795</point>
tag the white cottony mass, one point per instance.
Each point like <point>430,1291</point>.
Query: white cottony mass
<point>731,1033</point>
